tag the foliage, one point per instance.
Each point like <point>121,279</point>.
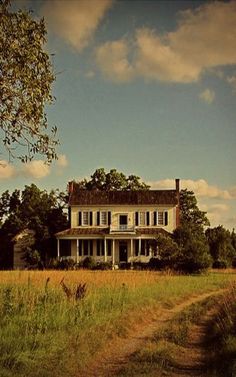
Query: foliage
<point>190,214</point>
<point>193,255</point>
<point>113,180</point>
<point>26,80</point>
<point>32,209</point>
<point>221,244</point>
<point>166,251</point>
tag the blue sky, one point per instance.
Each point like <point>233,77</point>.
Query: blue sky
<point>146,87</point>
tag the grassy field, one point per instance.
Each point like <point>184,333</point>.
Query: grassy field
<point>44,333</point>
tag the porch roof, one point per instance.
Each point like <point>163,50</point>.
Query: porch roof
<point>82,231</point>
<point>76,232</point>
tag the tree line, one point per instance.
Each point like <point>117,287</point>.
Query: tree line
<point>192,247</point>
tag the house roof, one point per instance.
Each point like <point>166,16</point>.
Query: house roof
<point>138,197</point>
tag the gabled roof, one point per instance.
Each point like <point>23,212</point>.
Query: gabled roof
<point>138,197</point>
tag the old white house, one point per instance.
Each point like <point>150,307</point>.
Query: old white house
<point>117,226</point>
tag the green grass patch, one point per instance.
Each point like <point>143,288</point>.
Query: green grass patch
<point>43,333</point>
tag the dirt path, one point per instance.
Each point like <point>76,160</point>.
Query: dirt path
<point>108,363</point>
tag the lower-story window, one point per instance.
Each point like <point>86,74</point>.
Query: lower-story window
<point>85,248</point>
<point>142,248</point>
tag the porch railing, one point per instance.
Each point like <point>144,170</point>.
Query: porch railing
<point>122,228</point>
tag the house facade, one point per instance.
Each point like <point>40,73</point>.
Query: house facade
<point>117,226</point>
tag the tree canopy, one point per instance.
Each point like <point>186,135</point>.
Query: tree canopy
<point>190,214</point>
<point>26,78</point>
<point>32,209</point>
<point>112,180</point>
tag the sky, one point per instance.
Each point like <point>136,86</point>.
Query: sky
<point>145,87</point>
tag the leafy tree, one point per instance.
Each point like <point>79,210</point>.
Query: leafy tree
<point>221,244</point>
<point>26,80</point>
<point>190,214</point>
<point>33,209</point>
<point>113,180</point>
<point>193,253</point>
<point>165,251</point>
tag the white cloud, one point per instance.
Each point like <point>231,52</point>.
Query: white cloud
<point>112,58</point>
<point>62,161</point>
<point>36,169</point>
<point>6,170</point>
<point>200,188</point>
<point>204,39</point>
<point>207,96</point>
<point>75,21</point>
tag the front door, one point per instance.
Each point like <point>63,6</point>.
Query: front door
<point>123,249</point>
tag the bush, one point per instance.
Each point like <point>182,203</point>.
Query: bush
<point>103,266</point>
<point>156,264</point>
<point>88,263</point>
<point>219,264</point>
<point>234,262</point>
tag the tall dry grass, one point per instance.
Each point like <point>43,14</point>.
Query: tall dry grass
<point>44,333</point>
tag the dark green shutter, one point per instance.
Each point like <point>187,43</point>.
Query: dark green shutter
<point>109,218</point>
<point>147,218</point>
<point>80,218</point>
<point>91,218</point>
<point>166,217</point>
<point>155,218</point>
<point>136,219</point>
<point>98,218</point>
<point>69,216</point>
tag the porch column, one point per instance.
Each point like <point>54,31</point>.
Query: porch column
<point>139,247</point>
<point>77,250</point>
<point>58,248</point>
<point>113,252</point>
<point>132,253</point>
<point>105,250</point>
<point>132,248</point>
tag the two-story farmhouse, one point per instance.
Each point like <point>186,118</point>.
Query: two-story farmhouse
<point>117,226</point>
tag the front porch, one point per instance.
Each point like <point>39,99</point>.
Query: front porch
<point>115,250</point>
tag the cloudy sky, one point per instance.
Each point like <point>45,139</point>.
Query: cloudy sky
<point>146,87</point>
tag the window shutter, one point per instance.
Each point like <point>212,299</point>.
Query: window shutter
<point>136,218</point>
<point>147,218</point>
<point>91,218</point>
<point>166,218</point>
<point>98,218</point>
<point>109,218</point>
<point>80,218</point>
<point>155,218</point>
<point>69,216</point>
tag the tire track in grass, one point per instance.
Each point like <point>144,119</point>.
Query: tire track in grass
<point>110,361</point>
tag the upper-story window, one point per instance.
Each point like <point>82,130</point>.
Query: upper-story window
<point>85,218</point>
<point>160,218</point>
<point>103,218</point>
<point>142,218</point>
